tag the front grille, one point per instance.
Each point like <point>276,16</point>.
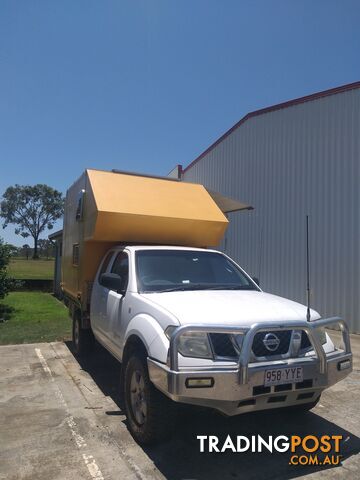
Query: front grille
<point>305,384</point>
<point>261,390</point>
<point>283,388</point>
<point>259,348</point>
<point>303,396</point>
<point>277,399</point>
<point>222,345</point>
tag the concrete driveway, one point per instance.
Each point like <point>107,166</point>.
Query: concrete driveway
<point>61,419</point>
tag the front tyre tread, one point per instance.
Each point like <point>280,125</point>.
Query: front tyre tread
<point>160,410</point>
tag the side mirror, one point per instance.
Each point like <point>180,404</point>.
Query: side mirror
<point>256,280</point>
<point>112,281</point>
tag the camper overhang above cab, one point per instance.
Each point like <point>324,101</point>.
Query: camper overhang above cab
<point>130,208</point>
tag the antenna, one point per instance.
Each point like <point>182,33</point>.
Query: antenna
<point>261,249</point>
<point>307,269</point>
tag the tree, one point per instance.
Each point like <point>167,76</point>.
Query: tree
<point>32,209</point>
<point>25,251</point>
<point>46,247</point>
<point>13,249</point>
<point>5,282</point>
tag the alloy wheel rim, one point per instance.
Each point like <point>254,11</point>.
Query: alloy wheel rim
<point>138,398</point>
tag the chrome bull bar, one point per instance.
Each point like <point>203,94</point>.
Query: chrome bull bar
<point>249,333</point>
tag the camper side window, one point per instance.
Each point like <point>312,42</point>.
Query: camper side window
<point>75,255</point>
<point>80,206</point>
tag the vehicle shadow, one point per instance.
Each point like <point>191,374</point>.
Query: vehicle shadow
<point>180,457</point>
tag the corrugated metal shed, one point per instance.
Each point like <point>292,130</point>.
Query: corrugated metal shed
<point>293,159</point>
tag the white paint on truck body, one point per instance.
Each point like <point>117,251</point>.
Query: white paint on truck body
<point>115,317</point>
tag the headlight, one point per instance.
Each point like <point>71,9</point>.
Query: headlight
<point>195,344</point>
<point>192,344</point>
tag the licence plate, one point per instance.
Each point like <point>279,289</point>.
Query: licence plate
<point>279,376</point>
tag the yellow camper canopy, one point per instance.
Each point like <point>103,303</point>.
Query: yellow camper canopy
<point>122,207</point>
<point>103,209</point>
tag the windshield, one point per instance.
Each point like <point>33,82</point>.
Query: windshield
<point>180,270</point>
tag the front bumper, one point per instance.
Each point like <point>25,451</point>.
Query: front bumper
<point>241,389</point>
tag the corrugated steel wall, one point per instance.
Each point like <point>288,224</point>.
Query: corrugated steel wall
<point>303,159</point>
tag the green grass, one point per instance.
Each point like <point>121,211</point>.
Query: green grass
<point>32,317</point>
<point>22,269</point>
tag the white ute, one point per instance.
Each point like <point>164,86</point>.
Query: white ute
<point>191,324</point>
<point>186,322</point>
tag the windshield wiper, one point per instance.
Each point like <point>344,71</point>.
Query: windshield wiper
<point>231,287</point>
<point>182,288</point>
<point>200,286</point>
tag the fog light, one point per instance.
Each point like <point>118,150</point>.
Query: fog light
<point>344,365</point>
<point>199,382</point>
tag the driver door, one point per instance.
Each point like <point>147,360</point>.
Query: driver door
<point>99,299</point>
<point>117,301</point>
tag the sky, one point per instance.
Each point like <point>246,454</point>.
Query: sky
<point>143,85</point>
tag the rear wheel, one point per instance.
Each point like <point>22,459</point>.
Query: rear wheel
<point>150,414</point>
<point>82,338</point>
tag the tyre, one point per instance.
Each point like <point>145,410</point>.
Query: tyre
<point>82,339</point>
<point>150,414</point>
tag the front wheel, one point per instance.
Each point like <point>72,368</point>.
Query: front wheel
<point>150,414</point>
